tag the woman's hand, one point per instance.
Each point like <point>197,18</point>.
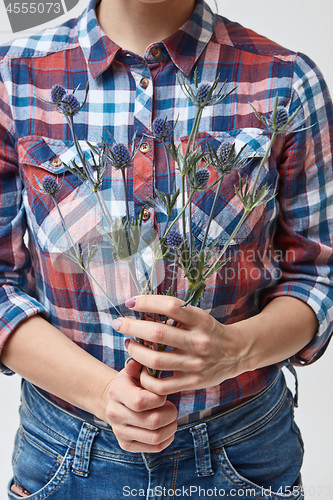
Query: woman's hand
<point>141,421</point>
<point>204,354</point>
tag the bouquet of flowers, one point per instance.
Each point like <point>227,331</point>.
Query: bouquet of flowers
<point>125,237</point>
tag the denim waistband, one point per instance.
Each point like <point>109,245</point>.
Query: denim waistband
<point>72,431</point>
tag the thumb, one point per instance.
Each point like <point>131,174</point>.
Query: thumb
<point>133,368</point>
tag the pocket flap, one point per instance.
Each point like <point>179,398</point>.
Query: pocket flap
<point>255,139</point>
<point>40,151</point>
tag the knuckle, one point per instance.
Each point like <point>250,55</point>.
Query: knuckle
<point>111,414</point>
<point>202,344</point>
<point>198,365</point>
<point>159,333</point>
<point>155,438</point>
<point>154,421</point>
<point>174,305</point>
<point>138,402</point>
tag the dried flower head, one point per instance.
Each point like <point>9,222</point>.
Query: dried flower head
<point>69,104</point>
<point>225,156</point>
<point>119,156</point>
<point>201,178</point>
<point>202,92</point>
<point>57,93</point>
<point>280,120</point>
<point>50,185</point>
<point>174,239</point>
<point>161,128</point>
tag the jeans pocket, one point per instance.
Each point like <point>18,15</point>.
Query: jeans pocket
<point>267,461</point>
<point>37,467</point>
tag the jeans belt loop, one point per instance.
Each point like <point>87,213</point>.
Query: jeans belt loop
<point>80,465</point>
<point>202,450</point>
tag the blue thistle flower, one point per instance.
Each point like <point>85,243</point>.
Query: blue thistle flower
<point>281,118</point>
<point>161,128</point>
<point>201,93</point>
<point>57,93</point>
<point>120,156</point>
<point>50,185</point>
<point>69,104</point>
<point>226,157</point>
<point>174,239</point>
<point>201,178</point>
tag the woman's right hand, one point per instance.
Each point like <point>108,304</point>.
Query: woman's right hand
<point>141,420</point>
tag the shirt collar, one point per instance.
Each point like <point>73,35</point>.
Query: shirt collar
<point>184,46</point>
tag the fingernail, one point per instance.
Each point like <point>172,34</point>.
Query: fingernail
<point>128,360</point>
<point>116,323</point>
<point>126,342</point>
<point>130,302</point>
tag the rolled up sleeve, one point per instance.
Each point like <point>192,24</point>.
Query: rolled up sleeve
<point>305,197</point>
<point>17,301</point>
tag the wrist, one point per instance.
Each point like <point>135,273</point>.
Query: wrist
<point>238,343</point>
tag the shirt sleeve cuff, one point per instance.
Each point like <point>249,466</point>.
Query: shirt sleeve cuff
<point>321,304</point>
<point>15,307</point>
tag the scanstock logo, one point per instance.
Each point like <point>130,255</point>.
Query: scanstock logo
<point>26,15</point>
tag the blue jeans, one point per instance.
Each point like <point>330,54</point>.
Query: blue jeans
<point>254,450</point>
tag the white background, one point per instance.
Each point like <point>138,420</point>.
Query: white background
<point>301,25</point>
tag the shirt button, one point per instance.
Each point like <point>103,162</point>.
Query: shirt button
<point>56,162</point>
<point>144,82</point>
<point>144,148</point>
<point>145,215</point>
<point>156,52</point>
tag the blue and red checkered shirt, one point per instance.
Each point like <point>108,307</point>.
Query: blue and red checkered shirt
<point>284,248</point>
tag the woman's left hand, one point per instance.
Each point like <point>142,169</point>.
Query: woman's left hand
<point>204,354</point>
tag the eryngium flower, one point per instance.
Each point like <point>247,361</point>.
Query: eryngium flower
<point>201,178</point>
<point>201,93</point>
<point>161,128</point>
<point>281,118</point>
<point>50,185</point>
<point>174,239</point>
<point>69,104</point>
<point>226,157</point>
<point>119,156</point>
<point>57,93</point>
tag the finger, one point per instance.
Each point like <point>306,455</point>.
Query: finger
<point>152,331</point>
<point>133,368</point>
<point>157,360</point>
<point>137,447</point>
<point>151,437</point>
<point>164,386</point>
<point>151,420</point>
<point>167,306</point>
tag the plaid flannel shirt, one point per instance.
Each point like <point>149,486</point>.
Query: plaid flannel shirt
<point>284,248</point>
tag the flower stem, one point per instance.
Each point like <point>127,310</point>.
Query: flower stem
<point>231,237</point>
<point>190,144</point>
<point>180,213</point>
<point>168,166</point>
<point>212,213</point>
<point>125,192</point>
<point>89,173</point>
<point>263,160</point>
<point>78,258</point>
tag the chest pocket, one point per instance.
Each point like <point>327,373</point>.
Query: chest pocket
<point>75,208</point>
<point>229,208</point>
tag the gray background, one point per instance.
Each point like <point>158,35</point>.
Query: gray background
<point>305,26</point>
